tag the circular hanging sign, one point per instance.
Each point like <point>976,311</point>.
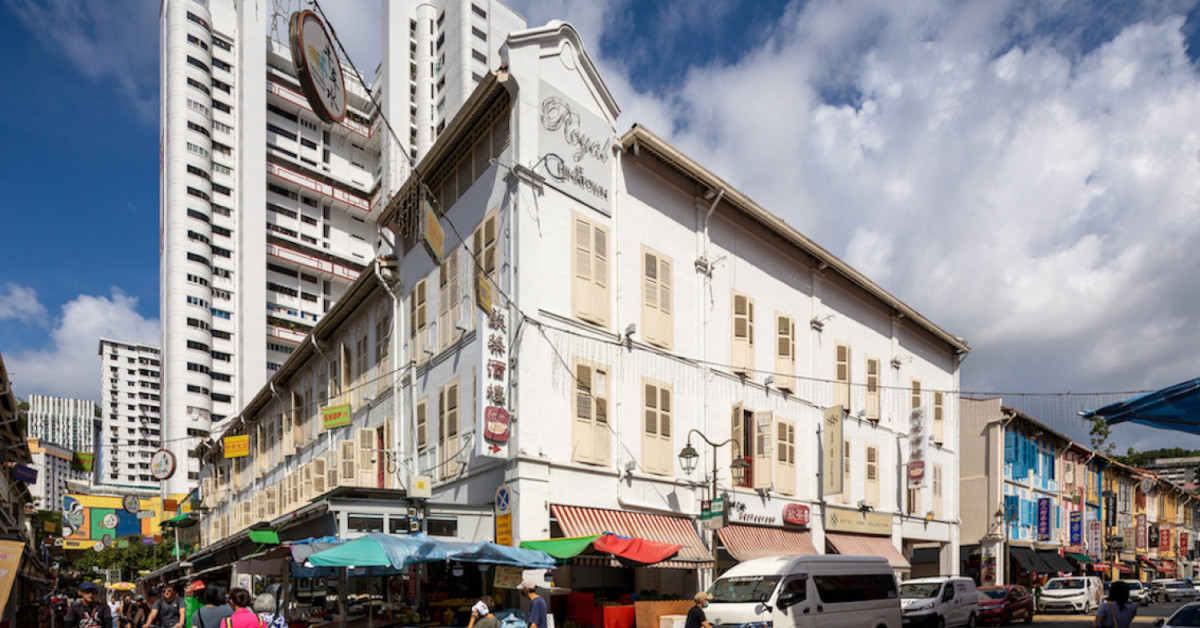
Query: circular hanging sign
<point>107,540</point>
<point>130,503</point>
<point>109,521</point>
<point>317,66</point>
<point>162,465</point>
<point>98,546</point>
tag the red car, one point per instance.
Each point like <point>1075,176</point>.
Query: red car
<point>1003,604</point>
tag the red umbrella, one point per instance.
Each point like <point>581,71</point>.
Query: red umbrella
<point>635,552</point>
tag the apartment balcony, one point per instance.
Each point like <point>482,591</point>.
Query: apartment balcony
<point>311,262</point>
<point>320,187</point>
<point>287,335</point>
<point>286,93</point>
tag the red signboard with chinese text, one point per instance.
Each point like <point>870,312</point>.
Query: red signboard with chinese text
<point>797,514</point>
<point>1164,539</point>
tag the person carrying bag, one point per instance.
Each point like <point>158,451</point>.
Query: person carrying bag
<point>1116,612</point>
<point>243,616</point>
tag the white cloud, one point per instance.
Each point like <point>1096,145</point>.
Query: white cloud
<point>20,303</point>
<point>70,365</point>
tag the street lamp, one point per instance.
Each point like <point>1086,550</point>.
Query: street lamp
<point>688,457</point>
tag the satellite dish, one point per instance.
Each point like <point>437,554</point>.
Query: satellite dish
<point>1147,485</point>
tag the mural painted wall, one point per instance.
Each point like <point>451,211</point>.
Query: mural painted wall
<point>89,519</point>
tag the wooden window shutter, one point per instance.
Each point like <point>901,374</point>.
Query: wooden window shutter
<point>600,275</point>
<point>785,353</point>
<point>666,322</point>
<point>306,482</point>
<point>841,387</point>
<point>448,423</point>
<point>737,430</point>
<point>383,338</point>
<point>389,445</point>
<point>260,507</point>
<point>584,444</point>
<point>873,410</point>
<point>914,400</point>
<point>206,494</point>
<point>362,357</point>
<point>347,463</point>
<point>656,429</point>
<point>320,475</point>
<point>484,244</point>
<point>658,326</point>
<point>939,422</point>
<point>785,457</point>
<point>666,458</point>
<point>448,276</point>
<point>365,445</point>
<point>418,321</point>
<point>600,430</point>
<point>271,500</point>
<point>764,425</point>
<point>422,424</point>
<point>582,276</point>
<point>872,495</point>
<point>743,335</point>
<point>331,469</point>
<point>299,422</point>
<point>847,467</point>
<point>285,494</point>
<point>346,364</point>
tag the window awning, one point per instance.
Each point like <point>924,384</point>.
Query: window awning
<point>1056,562</point>
<point>1122,568</point>
<point>1082,559</point>
<point>860,545</point>
<point>748,542</point>
<point>1030,561</point>
<point>1153,565</point>
<point>562,547</point>
<point>576,521</point>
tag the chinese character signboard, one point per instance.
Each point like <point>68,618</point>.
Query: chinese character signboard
<point>1076,528</point>
<point>1095,541</point>
<point>917,435</point>
<point>1183,544</point>
<point>831,442</point>
<point>432,235</point>
<point>1043,518</point>
<point>796,514</point>
<point>1164,540</point>
<point>492,393</point>
<point>1142,539</point>
<point>237,446</point>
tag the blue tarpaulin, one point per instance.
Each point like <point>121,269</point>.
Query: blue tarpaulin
<point>1174,408</point>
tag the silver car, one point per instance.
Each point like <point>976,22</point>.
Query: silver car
<point>1138,593</point>
<point>1187,616</point>
<point>1176,591</point>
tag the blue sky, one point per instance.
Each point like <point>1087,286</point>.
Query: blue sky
<point>1026,174</point>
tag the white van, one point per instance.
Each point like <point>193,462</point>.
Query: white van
<point>943,602</point>
<point>825,591</point>
<point>1081,594</point>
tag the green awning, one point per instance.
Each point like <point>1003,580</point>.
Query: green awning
<point>1082,559</point>
<point>264,536</point>
<point>181,521</point>
<point>561,548</point>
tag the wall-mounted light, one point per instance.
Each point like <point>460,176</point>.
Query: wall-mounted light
<point>929,516</point>
<point>769,381</point>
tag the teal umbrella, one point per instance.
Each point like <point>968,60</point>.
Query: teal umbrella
<point>373,550</point>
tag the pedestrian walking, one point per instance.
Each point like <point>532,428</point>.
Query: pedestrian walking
<point>264,605</point>
<point>696,617</point>
<point>167,612</point>
<point>483,614</point>
<point>90,611</point>
<point>243,616</point>
<point>537,606</point>
<point>1116,612</point>
<point>215,609</point>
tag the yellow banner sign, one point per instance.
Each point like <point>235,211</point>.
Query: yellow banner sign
<point>335,416</point>
<point>433,237</point>
<point>504,529</point>
<point>237,446</point>
<point>10,563</point>
<point>483,292</point>
<point>847,520</point>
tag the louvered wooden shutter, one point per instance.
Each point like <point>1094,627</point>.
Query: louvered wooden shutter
<point>656,300</point>
<point>319,478</point>
<point>331,469</point>
<point>286,435</point>
<point>365,438</point>
<point>306,483</point>
<point>785,457</point>
<point>418,321</point>
<point>270,503</point>
<point>581,285</point>
<point>600,430</point>
<point>841,389</point>
<point>914,400</point>
<point>847,475</point>
<point>584,446</point>
<point>743,335</point>
<point>737,430</point>
<point>785,353</point>
<point>937,490</point>
<point>872,493</point>
<point>390,447</point>
<point>422,425</point>
<point>873,410</point>
<point>448,424</point>
<point>763,426</point>
<point>206,492</point>
<point>939,423</point>
<point>656,429</point>
<point>600,274</point>
<point>347,463</point>
<point>346,364</point>
<point>448,299</point>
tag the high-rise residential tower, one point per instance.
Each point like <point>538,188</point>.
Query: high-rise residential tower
<point>268,214</point>
<point>130,423</point>
<point>62,421</point>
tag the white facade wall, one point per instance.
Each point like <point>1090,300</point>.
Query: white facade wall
<point>62,421</point>
<point>131,424</point>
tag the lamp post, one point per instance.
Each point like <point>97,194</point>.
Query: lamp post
<point>688,457</point>
<point>1002,515</point>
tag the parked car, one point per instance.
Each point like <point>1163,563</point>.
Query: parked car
<point>1138,592</point>
<point>1186,616</point>
<point>1003,604</point>
<point>1081,594</point>
<point>1172,590</point>
<point>823,591</point>
<point>942,601</point>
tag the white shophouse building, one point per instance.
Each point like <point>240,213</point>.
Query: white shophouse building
<point>267,213</point>
<point>641,302</point>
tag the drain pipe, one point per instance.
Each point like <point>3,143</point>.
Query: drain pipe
<point>705,280</point>
<point>393,355</point>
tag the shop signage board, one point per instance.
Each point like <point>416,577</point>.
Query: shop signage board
<point>492,394</point>
<point>1164,539</point>
<point>81,461</point>
<point>335,416</point>
<point>856,521</point>
<point>25,473</point>
<point>1095,544</point>
<point>576,148</point>
<point>797,514</point>
<point>831,445</point>
<point>433,237</point>
<point>918,435</point>
<point>712,513</point>
<point>503,506</point>
<point>317,66</point>
<point>1043,518</point>
<point>1129,536</point>
<point>10,563</point>
<point>237,446</point>
<point>1142,536</point>
<point>1075,527</point>
<point>507,577</point>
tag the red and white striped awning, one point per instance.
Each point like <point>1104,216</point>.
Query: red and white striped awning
<point>576,521</point>
<point>747,542</point>
<point>862,545</point>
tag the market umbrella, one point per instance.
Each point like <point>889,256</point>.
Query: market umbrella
<point>1173,408</point>
<point>372,550</point>
<point>123,586</point>
<point>565,548</point>
<point>635,552</point>
<point>493,554</point>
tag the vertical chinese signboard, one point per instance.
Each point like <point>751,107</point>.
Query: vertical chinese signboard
<point>1164,540</point>
<point>1142,541</point>
<point>831,442</point>
<point>1043,518</point>
<point>917,435</point>
<point>1095,540</point>
<point>492,393</point>
<point>1076,528</point>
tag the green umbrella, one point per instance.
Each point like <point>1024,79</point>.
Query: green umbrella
<point>561,548</point>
